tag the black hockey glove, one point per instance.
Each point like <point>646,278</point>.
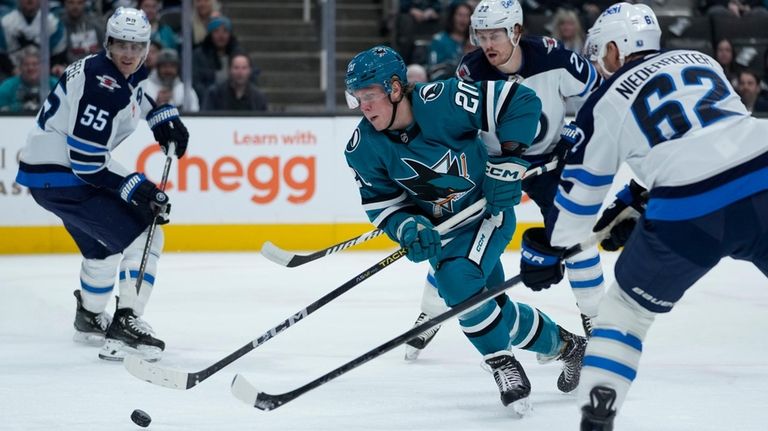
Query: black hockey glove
<point>619,219</point>
<point>167,127</point>
<point>143,195</point>
<point>541,265</point>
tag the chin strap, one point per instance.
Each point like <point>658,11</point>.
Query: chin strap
<point>394,110</point>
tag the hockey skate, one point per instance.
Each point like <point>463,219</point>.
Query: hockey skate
<point>90,327</point>
<point>598,415</point>
<point>586,323</point>
<point>128,334</point>
<point>510,377</point>
<point>415,345</point>
<point>572,355</point>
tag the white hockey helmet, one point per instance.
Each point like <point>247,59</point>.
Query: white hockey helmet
<point>131,25</point>
<point>632,27</point>
<point>495,14</point>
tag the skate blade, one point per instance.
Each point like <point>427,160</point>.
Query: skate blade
<point>115,350</point>
<point>88,338</point>
<point>411,353</point>
<point>545,359</point>
<point>522,407</point>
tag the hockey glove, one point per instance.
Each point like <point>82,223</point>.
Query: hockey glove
<point>143,195</point>
<point>416,234</point>
<point>541,265</point>
<point>503,182</point>
<point>619,219</point>
<point>167,127</point>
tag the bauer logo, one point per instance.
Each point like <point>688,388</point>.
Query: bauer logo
<point>354,141</point>
<point>432,91</point>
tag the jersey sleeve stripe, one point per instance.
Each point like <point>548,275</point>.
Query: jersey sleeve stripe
<point>79,168</point>
<point>489,123</point>
<point>505,98</point>
<point>379,219</point>
<point>85,147</point>
<point>587,178</point>
<point>77,156</point>
<point>377,205</point>
<point>574,208</point>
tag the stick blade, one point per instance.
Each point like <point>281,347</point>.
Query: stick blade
<point>151,373</point>
<point>246,392</point>
<point>276,254</point>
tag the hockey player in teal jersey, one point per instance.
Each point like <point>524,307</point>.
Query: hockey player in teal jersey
<point>417,160</point>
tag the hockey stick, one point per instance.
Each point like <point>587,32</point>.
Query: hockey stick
<point>245,391</point>
<point>153,226</point>
<point>183,380</point>
<point>292,260</point>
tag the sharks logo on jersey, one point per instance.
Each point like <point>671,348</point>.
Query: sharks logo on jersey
<point>354,141</point>
<point>442,183</point>
<point>431,91</point>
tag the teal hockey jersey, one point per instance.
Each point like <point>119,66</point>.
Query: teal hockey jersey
<point>437,165</point>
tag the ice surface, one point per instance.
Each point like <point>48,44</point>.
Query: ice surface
<point>705,365</point>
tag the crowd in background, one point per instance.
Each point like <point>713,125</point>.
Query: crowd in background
<point>224,76</point>
<point>434,35</point>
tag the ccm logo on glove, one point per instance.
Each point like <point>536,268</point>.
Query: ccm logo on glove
<point>505,171</point>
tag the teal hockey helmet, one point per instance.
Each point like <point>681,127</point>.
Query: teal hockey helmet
<point>375,66</point>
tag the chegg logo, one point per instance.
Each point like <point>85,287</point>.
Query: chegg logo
<point>265,175</point>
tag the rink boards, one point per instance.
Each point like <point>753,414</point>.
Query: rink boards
<point>244,180</point>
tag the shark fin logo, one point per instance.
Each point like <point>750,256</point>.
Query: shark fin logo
<point>431,91</point>
<point>441,184</point>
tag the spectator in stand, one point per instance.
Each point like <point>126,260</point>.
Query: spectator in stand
<point>763,83</point>
<point>566,27</point>
<point>161,33</point>
<point>238,93</point>
<point>749,90</point>
<point>164,84</point>
<point>416,73</point>
<point>724,55</point>
<point>737,8</point>
<point>85,32</point>
<point>416,16</point>
<point>21,28</point>
<point>211,59</point>
<point>22,93</point>
<point>204,11</point>
<point>450,45</point>
<point>154,50</point>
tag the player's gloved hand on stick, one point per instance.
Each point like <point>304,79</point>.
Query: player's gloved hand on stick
<point>541,265</point>
<point>144,195</point>
<point>619,219</point>
<point>416,234</point>
<point>503,182</point>
<point>167,127</point>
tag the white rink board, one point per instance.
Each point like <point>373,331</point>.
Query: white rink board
<point>262,170</point>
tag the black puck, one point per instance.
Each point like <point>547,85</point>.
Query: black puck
<point>141,418</point>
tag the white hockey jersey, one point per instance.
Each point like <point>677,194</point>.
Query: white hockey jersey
<point>90,111</point>
<point>16,32</point>
<point>556,75</point>
<point>681,127</point>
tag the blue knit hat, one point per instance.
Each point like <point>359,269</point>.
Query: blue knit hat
<point>217,22</point>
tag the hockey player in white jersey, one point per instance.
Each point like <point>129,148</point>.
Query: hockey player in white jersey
<point>677,121</point>
<point>559,77</point>
<point>107,209</point>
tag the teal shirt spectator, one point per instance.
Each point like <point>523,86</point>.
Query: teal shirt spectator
<point>444,49</point>
<point>166,37</point>
<point>19,96</point>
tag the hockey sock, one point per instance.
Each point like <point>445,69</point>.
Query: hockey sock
<point>530,329</point>
<point>586,277</point>
<point>129,271</point>
<point>614,350</point>
<point>97,281</point>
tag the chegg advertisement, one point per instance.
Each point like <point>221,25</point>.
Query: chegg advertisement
<point>242,181</point>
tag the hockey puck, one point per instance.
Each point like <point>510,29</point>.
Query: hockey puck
<point>141,418</point>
